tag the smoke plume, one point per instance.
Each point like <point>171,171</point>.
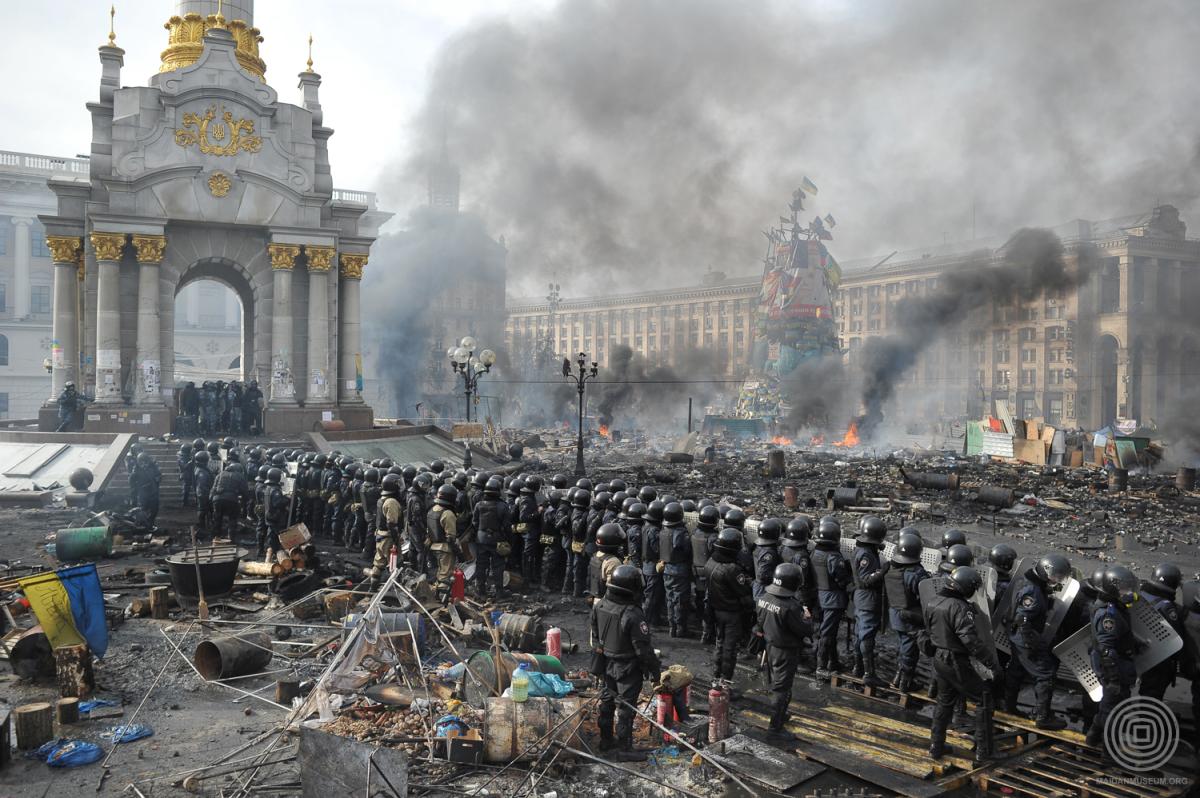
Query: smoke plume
<point>642,140</point>
<point>647,395</point>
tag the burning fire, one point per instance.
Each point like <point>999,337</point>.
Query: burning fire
<point>817,440</point>
<point>604,431</point>
<point>851,438</point>
<point>779,440</point>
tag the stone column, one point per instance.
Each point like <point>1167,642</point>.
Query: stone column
<point>21,256</point>
<point>283,258</point>
<point>108,248</point>
<point>350,327</point>
<point>320,261</point>
<point>67,254</point>
<point>148,366</point>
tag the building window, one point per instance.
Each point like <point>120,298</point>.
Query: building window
<point>1001,355</point>
<point>38,246</point>
<point>1055,376</point>
<point>1028,333</point>
<point>3,295</point>
<point>4,353</point>
<point>872,325</point>
<point>893,289</point>
<point>1002,377</point>
<point>874,308</point>
<point>3,405</point>
<point>1054,310</point>
<point>1028,376</point>
<point>1000,337</point>
<point>4,228</point>
<point>39,299</point>
<point>1028,355</point>
<point>1056,408</point>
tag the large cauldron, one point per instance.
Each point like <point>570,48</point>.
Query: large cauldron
<point>218,569</point>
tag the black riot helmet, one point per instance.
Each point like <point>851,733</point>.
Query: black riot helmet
<point>735,518</point>
<point>769,532</point>
<point>785,581</point>
<point>800,525</point>
<point>492,488</point>
<point>201,457</point>
<point>709,518</point>
<point>1090,587</point>
<point>958,556</point>
<point>319,461</point>
<point>672,515</point>
<point>554,497</point>
<point>423,482</point>
<point>447,496</point>
<point>705,503</point>
<point>584,482</point>
<point>213,447</point>
<point>274,476</point>
<point>1002,557</point>
<point>391,485</point>
<point>1119,585</point>
<point>560,481</point>
<point>582,499</point>
<point>602,500</point>
<point>636,511</point>
<point>619,498</point>
<point>144,458</point>
<point>872,530</point>
<point>667,498</point>
<point>626,503</point>
<point>953,537</point>
<point>729,540</point>
<point>796,534</point>
<point>625,585</point>
<point>460,481</point>
<point>532,485</point>
<point>688,505</point>
<point>479,481</point>
<point>617,485</point>
<point>185,449</point>
<point>965,580</point>
<point>609,538</point>
<point>1166,578</point>
<point>437,466</point>
<point>908,547</point>
<point>198,444</point>
<point>829,535</point>
<point>371,476</point>
<point>279,461</point>
<point>1053,569</point>
<point>135,449</point>
<point>654,512</point>
<point>647,495</point>
<point>409,474</point>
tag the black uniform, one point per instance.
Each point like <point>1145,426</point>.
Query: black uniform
<point>529,528</point>
<point>492,522</point>
<point>1156,680</point>
<point>801,557</point>
<point>869,574</point>
<point>730,601</point>
<point>145,480</point>
<point>653,596</point>
<point>832,574</point>
<point>902,584</point>
<point>950,620</point>
<point>600,567</point>
<point>1031,657</point>
<point>554,557</point>
<point>228,492</point>
<point>623,656</point>
<point>562,525</point>
<point>275,511</point>
<point>415,511</point>
<point>702,549</point>
<point>765,560</point>
<point>783,626</point>
<point>187,474</point>
<point>675,550</point>
<point>1112,659</point>
<point>577,560</point>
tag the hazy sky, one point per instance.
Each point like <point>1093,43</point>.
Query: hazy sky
<point>373,57</point>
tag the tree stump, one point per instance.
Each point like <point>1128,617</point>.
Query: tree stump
<point>286,689</point>
<point>66,711</point>
<point>159,600</point>
<point>34,725</point>
<point>73,666</point>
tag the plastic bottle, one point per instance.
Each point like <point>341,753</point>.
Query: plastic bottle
<point>520,683</point>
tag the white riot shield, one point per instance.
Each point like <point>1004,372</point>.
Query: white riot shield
<point>848,545</point>
<point>691,520</point>
<point>930,559</point>
<point>990,580</point>
<point>1003,604</point>
<point>1060,605</point>
<point>889,549</point>
<point>1074,655</point>
<point>1150,627</point>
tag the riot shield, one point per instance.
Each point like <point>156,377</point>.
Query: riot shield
<point>1003,605</point>
<point>848,545</point>
<point>889,549</point>
<point>931,559</point>
<point>691,520</point>
<point>990,580</point>
<point>1150,627</point>
<point>1074,655</point>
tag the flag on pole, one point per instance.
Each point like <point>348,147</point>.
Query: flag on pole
<point>829,220</point>
<point>808,185</point>
<point>69,605</point>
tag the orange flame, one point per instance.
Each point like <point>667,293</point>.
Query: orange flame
<point>851,438</point>
<point>817,440</point>
<point>779,440</point>
<point>604,431</point>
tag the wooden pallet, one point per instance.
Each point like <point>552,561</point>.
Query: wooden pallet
<point>1067,771</point>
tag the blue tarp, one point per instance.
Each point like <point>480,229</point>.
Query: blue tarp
<point>82,584</point>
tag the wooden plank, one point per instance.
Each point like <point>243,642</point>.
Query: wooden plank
<point>868,771</point>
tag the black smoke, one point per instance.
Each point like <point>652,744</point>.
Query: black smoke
<point>640,140</point>
<point>634,391</point>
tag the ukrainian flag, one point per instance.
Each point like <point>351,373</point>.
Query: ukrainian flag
<point>808,186</point>
<point>69,605</point>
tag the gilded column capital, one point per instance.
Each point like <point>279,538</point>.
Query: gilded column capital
<point>108,246</point>
<point>150,249</point>
<point>320,259</point>
<point>283,256</point>
<point>64,249</point>
<point>80,269</point>
<point>352,266</point>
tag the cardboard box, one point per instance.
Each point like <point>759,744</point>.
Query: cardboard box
<point>465,749</point>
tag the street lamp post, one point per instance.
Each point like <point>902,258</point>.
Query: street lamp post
<point>464,362</point>
<point>581,374</point>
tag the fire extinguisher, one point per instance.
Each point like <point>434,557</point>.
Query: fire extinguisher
<point>666,713</point>
<point>392,558</point>
<point>458,586</point>
<point>718,713</point>
<point>554,642</point>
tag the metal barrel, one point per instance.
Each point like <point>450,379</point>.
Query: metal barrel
<point>1185,478</point>
<point>996,496</point>
<point>1118,480</point>
<point>846,497</point>
<point>223,657</point>
<point>492,675</point>
<point>931,480</point>
<point>522,632</point>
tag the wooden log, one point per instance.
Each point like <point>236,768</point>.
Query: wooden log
<point>159,600</point>
<point>73,668</point>
<point>286,689</point>
<point>66,710</point>
<point>139,607</point>
<point>284,560</point>
<point>338,605</point>
<point>268,569</point>
<point>34,724</point>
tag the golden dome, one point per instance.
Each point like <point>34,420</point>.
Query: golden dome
<point>185,42</point>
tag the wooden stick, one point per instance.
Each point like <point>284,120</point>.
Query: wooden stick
<point>203,606</point>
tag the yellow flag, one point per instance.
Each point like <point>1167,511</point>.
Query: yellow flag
<point>52,606</point>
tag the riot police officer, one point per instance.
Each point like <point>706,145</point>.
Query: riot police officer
<point>1002,558</point>
<point>491,520</point>
<point>703,538</point>
<point>275,508</point>
<point>147,477</point>
<point>633,534</point>
<point>766,555</point>
<point>950,619</point>
<point>794,549</point>
<point>952,537</point>
<point>228,493</point>
<point>416,510</point>
<point>654,597</point>
<point>388,520</point>
<point>1031,656</point>
<point>442,524</point>
<point>783,623</point>
<point>577,557</point>
<point>622,655</point>
<point>529,529</point>
<point>729,600</point>
<point>1161,588</point>
<point>371,491</point>
<point>869,573</point>
<point>554,556</point>
<point>675,555</point>
<point>902,584</point>
<point>832,574</point>
<point>734,518</point>
<point>187,473</point>
<point>605,560</point>
<point>1113,644</point>
<point>956,556</point>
